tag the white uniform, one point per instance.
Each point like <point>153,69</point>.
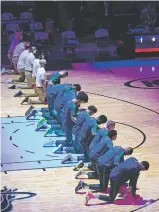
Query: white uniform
<point>36,65</point>
<point>41,75</point>
<point>22,59</point>
<point>29,62</point>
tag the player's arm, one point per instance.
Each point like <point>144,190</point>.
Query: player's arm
<point>43,81</point>
<point>118,159</point>
<point>94,129</point>
<point>73,114</point>
<point>133,182</point>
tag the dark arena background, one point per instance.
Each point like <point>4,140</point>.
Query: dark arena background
<point>110,48</point>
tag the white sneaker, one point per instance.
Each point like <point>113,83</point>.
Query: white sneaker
<point>9,81</point>
<point>80,172</point>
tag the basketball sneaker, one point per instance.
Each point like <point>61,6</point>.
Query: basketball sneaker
<point>41,127</point>
<point>79,165</point>
<point>41,121</point>
<point>69,157</point>
<point>28,111</point>
<point>48,132</point>
<point>19,93</point>
<point>80,186</point>
<point>58,149</point>
<point>80,172</point>
<point>89,196</point>
<point>32,113</point>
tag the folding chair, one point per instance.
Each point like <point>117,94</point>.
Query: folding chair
<point>49,28</point>
<point>11,29</point>
<point>36,27</point>
<point>26,16</point>
<point>70,42</point>
<point>25,19</point>
<point>42,41</point>
<point>102,40</point>
<point>5,19</point>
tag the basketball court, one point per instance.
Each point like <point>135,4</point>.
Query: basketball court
<point>126,92</point>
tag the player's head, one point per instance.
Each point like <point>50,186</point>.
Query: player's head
<point>144,165</point>
<point>77,87</point>
<point>41,55</point>
<point>37,55</point>
<point>27,47</point>
<point>33,50</point>
<point>42,62</point>
<point>112,134</point>
<point>101,119</point>
<point>92,110</point>
<point>110,125</point>
<point>63,74</point>
<point>26,40</point>
<point>128,150</point>
<point>81,97</point>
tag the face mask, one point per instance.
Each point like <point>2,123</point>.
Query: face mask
<point>34,51</point>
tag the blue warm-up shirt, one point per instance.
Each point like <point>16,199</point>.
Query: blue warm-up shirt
<point>112,157</point>
<point>127,170</point>
<point>70,109</point>
<point>100,148</point>
<point>55,78</point>
<point>102,133</point>
<point>89,127</point>
<point>82,116</point>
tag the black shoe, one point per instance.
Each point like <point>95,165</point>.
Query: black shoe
<point>25,100</point>
<point>11,86</point>
<point>32,113</point>
<point>28,111</point>
<point>19,93</point>
<point>67,158</point>
<point>80,186</point>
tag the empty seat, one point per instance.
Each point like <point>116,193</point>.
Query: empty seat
<point>7,17</point>
<point>102,39</point>
<point>12,27</point>
<point>102,35</point>
<point>42,42</point>
<point>26,16</point>
<point>42,39</point>
<point>36,27</point>
<point>49,25</point>
<point>70,42</point>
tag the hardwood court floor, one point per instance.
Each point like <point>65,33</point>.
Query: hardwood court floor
<point>136,107</point>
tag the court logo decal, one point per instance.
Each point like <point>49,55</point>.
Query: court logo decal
<point>144,83</point>
<point>9,195</point>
